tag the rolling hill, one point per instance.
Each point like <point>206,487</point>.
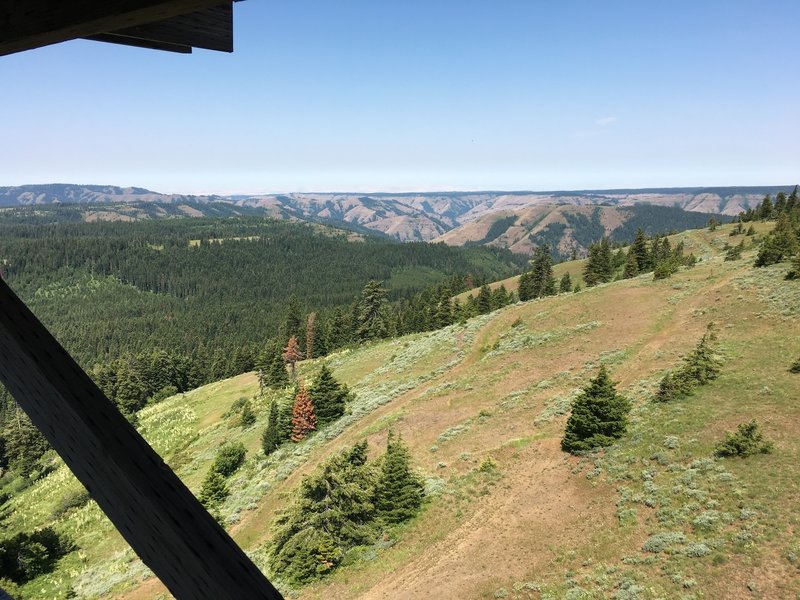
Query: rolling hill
<point>482,406</point>
<point>405,217</point>
<point>569,228</point>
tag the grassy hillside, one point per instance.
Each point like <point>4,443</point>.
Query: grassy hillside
<point>482,407</point>
<point>569,229</point>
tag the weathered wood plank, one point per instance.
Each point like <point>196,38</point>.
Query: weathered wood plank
<point>211,29</point>
<point>35,23</point>
<point>153,510</point>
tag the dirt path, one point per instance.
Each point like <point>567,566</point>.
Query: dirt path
<point>507,536</point>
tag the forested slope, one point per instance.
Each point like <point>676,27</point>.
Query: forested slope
<point>106,289</point>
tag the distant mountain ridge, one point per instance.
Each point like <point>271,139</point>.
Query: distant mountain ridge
<point>410,216</point>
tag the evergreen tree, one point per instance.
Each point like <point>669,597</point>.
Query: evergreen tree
<point>793,202</point>
<point>229,458</point>
<point>372,316</point>
<point>247,417</point>
<point>525,291</point>
<point>341,329</point>
<point>484,303</point>
<point>599,267</point>
<point>304,420</point>
<point>332,513</point>
<point>328,397</point>
<point>631,265</point>
<point>780,203</point>
<point>310,335</point>
<point>214,490</point>
<point>599,416</point>
<point>543,283</point>
<point>639,249</point>
<point>765,210</point>
<point>794,272</point>
<point>399,492</point>
<point>565,285</point>
<point>25,444</point>
<point>285,410</point>
<point>275,376</point>
<point>271,439</point>
<point>292,324</point>
<point>779,245</point>
<point>291,354</point>
<point>699,367</point>
<point>702,364</point>
<point>500,297</point>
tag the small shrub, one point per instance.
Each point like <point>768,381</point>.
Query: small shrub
<point>661,542</point>
<point>795,368</point>
<point>745,441</point>
<point>247,417</point>
<point>229,458</point>
<point>488,465</point>
<point>73,500</point>
<point>697,550</point>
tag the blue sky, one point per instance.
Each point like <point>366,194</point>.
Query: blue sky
<point>422,95</point>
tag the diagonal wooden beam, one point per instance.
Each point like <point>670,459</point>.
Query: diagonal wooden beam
<point>153,510</point>
<point>29,24</point>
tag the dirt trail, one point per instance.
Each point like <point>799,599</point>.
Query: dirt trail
<point>507,536</point>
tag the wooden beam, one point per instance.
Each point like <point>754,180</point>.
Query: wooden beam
<point>29,24</point>
<point>111,38</point>
<point>152,509</point>
<point>211,29</point>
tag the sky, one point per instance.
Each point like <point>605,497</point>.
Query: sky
<point>411,95</point>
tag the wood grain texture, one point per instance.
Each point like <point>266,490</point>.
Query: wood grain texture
<point>35,23</point>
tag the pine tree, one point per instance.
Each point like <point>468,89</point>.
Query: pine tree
<point>292,324</point>
<point>765,209</point>
<point>310,335</point>
<point>247,417</point>
<point>328,397</point>
<point>291,354</point>
<point>599,416</point>
<point>484,302</point>
<point>631,265</point>
<point>639,249</point>
<point>780,203</point>
<point>794,272</point>
<point>565,285</point>
<point>543,283</point>
<point>779,245</point>
<point>525,290</point>
<point>332,513</point>
<point>304,420</point>
<point>702,365</point>
<point>25,444</point>
<point>599,267</point>
<point>214,490</point>
<point>399,492</point>
<point>276,376</point>
<point>372,315</point>
<point>271,439</point>
<point>793,202</point>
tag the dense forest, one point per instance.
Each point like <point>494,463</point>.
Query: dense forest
<point>106,289</point>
